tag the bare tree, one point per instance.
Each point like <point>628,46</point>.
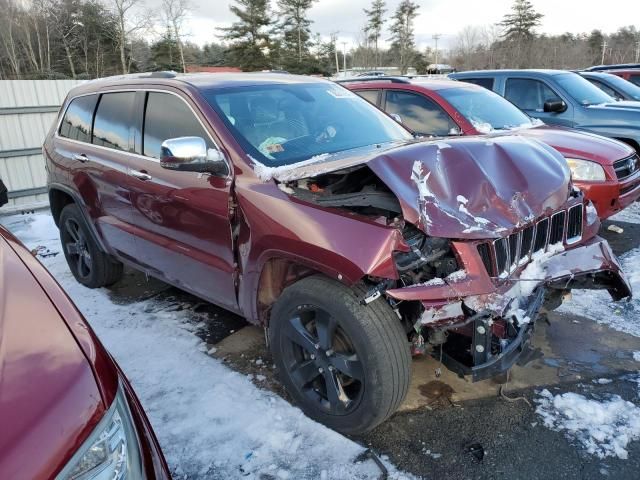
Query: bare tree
<point>7,34</point>
<point>175,11</point>
<point>131,19</point>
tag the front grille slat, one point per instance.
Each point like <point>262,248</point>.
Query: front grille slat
<point>484,249</point>
<point>627,166</point>
<point>574,224</point>
<point>514,244</point>
<point>526,245</point>
<point>542,232</point>
<point>556,234</point>
<point>501,249</point>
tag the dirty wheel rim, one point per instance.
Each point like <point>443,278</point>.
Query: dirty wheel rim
<point>322,362</point>
<point>75,245</point>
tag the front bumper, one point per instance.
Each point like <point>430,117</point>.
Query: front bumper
<point>611,196</point>
<point>473,305</point>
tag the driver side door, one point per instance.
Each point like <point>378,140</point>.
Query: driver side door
<point>183,217</point>
<point>530,94</point>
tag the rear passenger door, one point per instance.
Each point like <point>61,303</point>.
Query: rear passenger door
<point>183,217</point>
<point>95,137</point>
<point>530,94</point>
<point>419,113</point>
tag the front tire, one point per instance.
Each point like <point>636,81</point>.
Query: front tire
<point>89,265</point>
<point>346,365</point>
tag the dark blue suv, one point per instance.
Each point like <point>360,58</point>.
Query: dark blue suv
<point>564,98</point>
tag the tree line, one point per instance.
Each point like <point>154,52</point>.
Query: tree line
<point>95,38</point>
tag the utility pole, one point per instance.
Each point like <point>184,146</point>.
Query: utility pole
<point>344,57</point>
<point>436,37</point>
<point>637,51</point>
<point>604,49</point>
<point>334,40</point>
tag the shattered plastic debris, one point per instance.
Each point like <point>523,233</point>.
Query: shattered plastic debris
<point>602,428</point>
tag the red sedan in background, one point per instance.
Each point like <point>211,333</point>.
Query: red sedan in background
<point>66,409</point>
<point>608,171</point>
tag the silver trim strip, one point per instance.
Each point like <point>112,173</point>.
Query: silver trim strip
<point>576,239</point>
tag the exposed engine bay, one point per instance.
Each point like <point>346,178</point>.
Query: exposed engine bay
<point>464,301</point>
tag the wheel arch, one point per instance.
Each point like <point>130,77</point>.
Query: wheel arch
<point>59,197</point>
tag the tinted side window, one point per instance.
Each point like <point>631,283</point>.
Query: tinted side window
<point>113,120</point>
<point>635,79</point>
<point>167,116</point>
<point>370,95</point>
<point>486,82</point>
<point>418,113</point>
<point>528,94</point>
<point>76,123</point>
<point>605,88</point>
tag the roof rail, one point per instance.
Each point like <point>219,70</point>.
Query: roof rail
<point>618,66</point>
<point>165,74</point>
<point>379,78</point>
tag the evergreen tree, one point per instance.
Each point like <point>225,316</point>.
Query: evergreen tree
<point>402,36</point>
<point>375,22</point>
<point>295,28</point>
<point>521,22</point>
<point>249,46</point>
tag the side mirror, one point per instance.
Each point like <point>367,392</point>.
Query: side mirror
<point>396,117</point>
<point>555,106</point>
<point>190,154</point>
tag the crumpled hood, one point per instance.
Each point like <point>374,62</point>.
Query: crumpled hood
<point>471,188</point>
<point>474,188</point>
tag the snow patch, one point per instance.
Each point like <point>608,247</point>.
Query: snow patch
<point>211,422</point>
<point>283,172</point>
<point>636,356</point>
<point>602,428</point>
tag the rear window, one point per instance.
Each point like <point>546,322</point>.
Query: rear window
<point>486,82</point>
<point>76,123</point>
<point>113,120</point>
<point>369,95</point>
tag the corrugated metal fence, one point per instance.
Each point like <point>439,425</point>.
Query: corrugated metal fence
<point>28,108</point>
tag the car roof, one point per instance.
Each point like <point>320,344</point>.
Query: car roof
<point>397,82</point>
<point>488,73</point>
<point>200,81</point>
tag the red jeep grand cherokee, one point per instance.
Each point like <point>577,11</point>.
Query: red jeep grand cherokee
<point>66,409</point>
<point>294,202</point>
<point>606,170</point>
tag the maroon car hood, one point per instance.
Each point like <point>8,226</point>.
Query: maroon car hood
<point>49,399</point>
<point>578,144</point>
<point>469,188</point>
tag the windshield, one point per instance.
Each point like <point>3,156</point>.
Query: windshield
<point>289,123</point>
<point>484,109</point>
<point>625,86</point>
<point>582,90</point>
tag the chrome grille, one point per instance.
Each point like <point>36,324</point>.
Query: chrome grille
<point>556,234</point>
<point>504,255</point>
<point>574,224</point>
<point>627,166</point>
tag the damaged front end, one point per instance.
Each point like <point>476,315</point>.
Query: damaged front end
<point>494,234</point>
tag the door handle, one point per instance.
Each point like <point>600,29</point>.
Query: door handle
<point>80,157</point>
<point>144,176</point>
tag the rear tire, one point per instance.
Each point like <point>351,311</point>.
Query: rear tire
<point>89,265</point>
<point>346,365</point>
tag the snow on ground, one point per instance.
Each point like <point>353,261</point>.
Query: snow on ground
<point>597,305</point>
<point>212,422</point>
<point>603,427</point>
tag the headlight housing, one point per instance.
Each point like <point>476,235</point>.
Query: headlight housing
<point>586,170</point>
<point>112,451</point>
